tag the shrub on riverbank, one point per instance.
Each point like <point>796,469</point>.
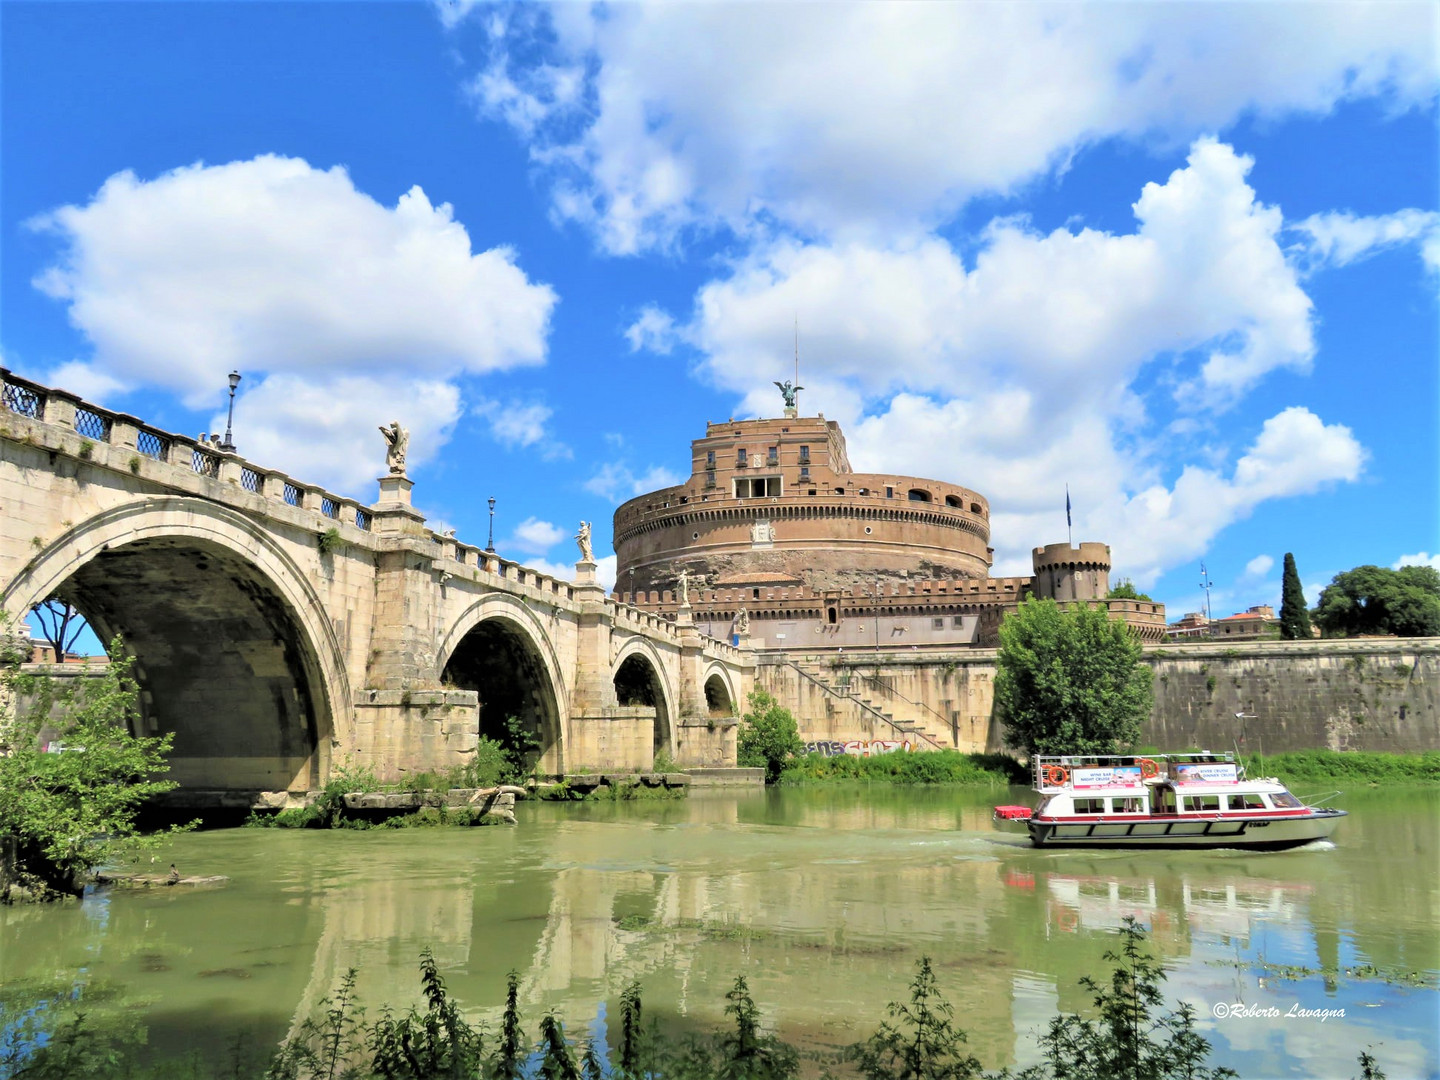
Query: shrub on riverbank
<point>915,767</point>
<point>1345,767</point>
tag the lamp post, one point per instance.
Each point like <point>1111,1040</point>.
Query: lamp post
<point>229,444</point>
<point>490,543</point>
<point>1205,584</point>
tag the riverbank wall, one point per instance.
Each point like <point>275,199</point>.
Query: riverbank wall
<point>1268,696</point>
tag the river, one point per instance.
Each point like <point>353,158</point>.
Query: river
<point>822,897</point>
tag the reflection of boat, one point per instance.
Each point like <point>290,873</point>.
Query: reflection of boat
<point>1174,800</point>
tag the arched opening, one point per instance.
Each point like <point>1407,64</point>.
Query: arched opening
<point>954,500</point>
<point>638,683</point>
<point>498,661</point>
<point>975,508</point>
<point>832,615</point>
<point>918,495</point>
<point>221,661</point>
<point>717,697</point>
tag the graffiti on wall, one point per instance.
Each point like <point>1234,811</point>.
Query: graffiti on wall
<point>858,747</point>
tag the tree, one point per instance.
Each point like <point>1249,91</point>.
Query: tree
<point>60,623</point>
<point>1070,681</point>
<point>1294,615</point>
<point>1124,589</point>
<point>64,814</point>
<point>1376,600</point>
<point>768,736</point>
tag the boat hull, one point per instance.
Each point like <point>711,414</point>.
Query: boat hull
<point>1255,834</point>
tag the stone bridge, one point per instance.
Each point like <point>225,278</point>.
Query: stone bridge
<point>281,631</point>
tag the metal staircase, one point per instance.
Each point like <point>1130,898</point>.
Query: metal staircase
<point>855,693</point>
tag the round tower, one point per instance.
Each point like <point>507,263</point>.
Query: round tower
<point>1065,573</point>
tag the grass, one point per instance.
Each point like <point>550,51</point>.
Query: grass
<point>915,767</point>
<point>1346,767</point>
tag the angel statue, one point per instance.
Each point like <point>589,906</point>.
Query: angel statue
<point>684,583</point>
<point>582,538</point>
<point>788,392</point>
<point>742,622</point>
<point>397,441</point>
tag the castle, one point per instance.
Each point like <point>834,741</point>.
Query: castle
<point>775,539</point>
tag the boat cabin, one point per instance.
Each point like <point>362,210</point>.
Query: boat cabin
<point>1172,785</point>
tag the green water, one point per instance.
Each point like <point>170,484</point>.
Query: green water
<point>823,899</point>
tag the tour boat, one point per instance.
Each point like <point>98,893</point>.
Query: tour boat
<point>1168,800</point>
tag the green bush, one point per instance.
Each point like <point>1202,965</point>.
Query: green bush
<point>768,737</point>
<point>1346,767</point>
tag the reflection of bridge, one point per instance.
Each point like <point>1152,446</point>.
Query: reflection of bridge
<point>280,630</point>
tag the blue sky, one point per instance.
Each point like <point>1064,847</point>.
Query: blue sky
<point>1182,257</point>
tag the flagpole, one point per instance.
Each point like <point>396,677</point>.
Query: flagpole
<point>1069,537</point>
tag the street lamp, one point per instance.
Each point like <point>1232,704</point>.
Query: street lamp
<point>490,543</point>
<point>1205,584</point>
<point>229,444</point>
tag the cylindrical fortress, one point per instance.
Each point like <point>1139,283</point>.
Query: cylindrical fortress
<point>1063,572</point>
<point>773,502</point>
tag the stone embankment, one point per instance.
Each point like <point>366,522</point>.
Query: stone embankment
<point>1269,696</point>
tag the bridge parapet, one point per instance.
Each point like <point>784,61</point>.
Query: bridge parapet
<point>93,433</point>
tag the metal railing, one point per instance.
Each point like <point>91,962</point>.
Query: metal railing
<point>23,400</point>
<point>152,444</point>
<point>865,706</point>
<point>92,425</point>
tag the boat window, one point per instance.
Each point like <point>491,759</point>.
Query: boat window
<point>1202,802</point>
<point>1246,802</point>
<point>1163,801</point>
<point>1089,806</point>
<point>1128,806</point>
<point>1285,800</point>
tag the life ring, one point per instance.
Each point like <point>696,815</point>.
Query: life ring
<point>1067,919</point>
<point>1056,775</point>
<point>1148,769</point>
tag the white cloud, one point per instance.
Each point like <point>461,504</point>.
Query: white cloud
<point>616,481</point>
<point>1259,566</point>
<point>520,425</point>
<point>278,269</point>
<point>1071,315</point>
<point>1420,558</point>
<point>1340,237</point>
<point>1150,525</point>
<point>323,430</point>
<point>653,330</point>
<point>535,535</point>
<point>659,118</point>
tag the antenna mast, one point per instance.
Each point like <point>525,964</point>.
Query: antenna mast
<point>797,350</point>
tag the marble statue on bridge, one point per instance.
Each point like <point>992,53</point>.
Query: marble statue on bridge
<point>397,441</point>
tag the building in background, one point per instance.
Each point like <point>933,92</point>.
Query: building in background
<point>778,540</point>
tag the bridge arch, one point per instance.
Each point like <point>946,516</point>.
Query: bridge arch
<point>501,650</point>
<point>721,698</point>
<point>234,651</point>
<point>641,678</point>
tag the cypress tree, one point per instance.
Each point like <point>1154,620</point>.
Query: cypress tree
<point>1294,616</point>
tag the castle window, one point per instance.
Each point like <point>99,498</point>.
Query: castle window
<point>957,621</point>
<point>937,624</point>
<point>864,491</point>
<point>772,456</point>
<point>740,459</point>
<point>975,508</point>
<point>709,478</point>
<point>804,474</point>
<point>757,488</point>
<point>918,495</point>
<point>804,455</point>
<point>839,491</point>
<point>709,459</point>
<point>951,500</point>
<point>833,616</point>
<point>755,594</point>
<point>889,492</point>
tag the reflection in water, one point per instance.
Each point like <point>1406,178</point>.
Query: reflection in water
<point>822,899</point>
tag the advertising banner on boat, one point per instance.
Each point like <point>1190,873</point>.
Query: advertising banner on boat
<point>1204,774</point>
<point>1117,776</point>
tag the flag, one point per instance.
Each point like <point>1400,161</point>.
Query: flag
<point>1067,506</point>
